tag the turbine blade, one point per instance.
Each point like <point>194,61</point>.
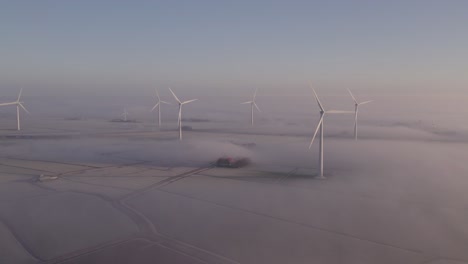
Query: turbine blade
<point>5,104</point>
<point>316,131</point>
<point>164,102</point>
<point>156,105</point>
<point>256,106</point>
<point>157,94</point>
<point>366,102</point>
<point>255,94</point>
<point>339,112</point>
<point>189,101</point>
<point>24,108</point>
<point>318,100</point>
<point>354,98</point>
<point>249,102</point>
<point>175,96</point>
<point>19,95</point>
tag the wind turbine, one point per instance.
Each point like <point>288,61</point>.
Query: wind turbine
<point>252,105</point>
<point>179,121</point>
<point>125,114</point>
<point>356,110</point>
<point>323,112</point>
<point>18,104</point>
<point>158,105</point>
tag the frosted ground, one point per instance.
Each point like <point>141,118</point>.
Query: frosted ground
<point>92,191</point>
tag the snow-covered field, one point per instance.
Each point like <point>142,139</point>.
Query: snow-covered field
<point>129,193</point>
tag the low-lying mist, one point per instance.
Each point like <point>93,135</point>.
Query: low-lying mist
<point>416,117</point>
<point>409,138</point>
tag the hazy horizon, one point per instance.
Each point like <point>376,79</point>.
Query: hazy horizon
<point>98,47</point>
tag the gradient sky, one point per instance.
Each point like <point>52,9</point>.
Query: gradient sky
<point>230,46</point>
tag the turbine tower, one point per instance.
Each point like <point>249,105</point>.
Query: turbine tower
<point>252,105</point>
<point>18,104</point>
<point>158,105</point>
<point>179,121</point>
<point>356,110</point>
<point>323,112</point>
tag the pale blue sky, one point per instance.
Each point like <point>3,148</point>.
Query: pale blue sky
<point>229,46</point>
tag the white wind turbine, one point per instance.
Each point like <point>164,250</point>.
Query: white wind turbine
<point>356,110</point>
<point>323,112</point>
<point>252,105</point>
<point>18,104</point>
<point>125,114</point>
<point>158,105</point>
<point>179,121</point>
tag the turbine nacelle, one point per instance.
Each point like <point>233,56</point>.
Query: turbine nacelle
<point>125,114</point>
<point>24,108</point>
<point>178,100</point>
<point>253,105</point>
<point>356,110</point>
<point>19,104</point>
<point>159,101</point>
<point>179,121</point>
<point>323,113</point>
<point>158,104</point>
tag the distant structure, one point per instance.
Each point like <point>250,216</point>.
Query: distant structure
<point>320,127</point>
<point>18,104</point>
<point>179,121</point>
<point>252,105</point>
<point>125,114</point>
<point>356,110</point>
<point>158,105</point>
